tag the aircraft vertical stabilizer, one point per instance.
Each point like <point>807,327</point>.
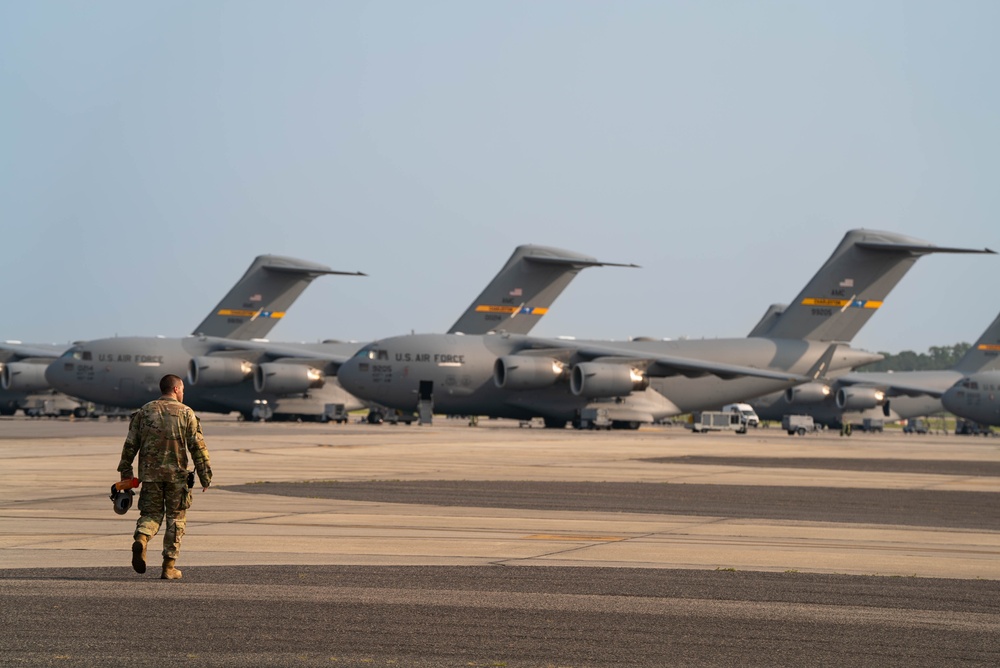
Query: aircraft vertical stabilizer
<point>260,298</point>
<point>850,287</point>
<point>985,353</point>
<point>523,290</point>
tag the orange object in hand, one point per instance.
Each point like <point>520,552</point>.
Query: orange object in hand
<point>130,483</point>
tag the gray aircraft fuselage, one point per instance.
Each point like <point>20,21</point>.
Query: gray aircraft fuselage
<point>126,372</point>
<point>975,397</point>
<point>457,372</point>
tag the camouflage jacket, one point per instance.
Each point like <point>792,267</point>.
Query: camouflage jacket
<point>162,432</point>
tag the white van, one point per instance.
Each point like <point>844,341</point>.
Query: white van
<point>746,410</point>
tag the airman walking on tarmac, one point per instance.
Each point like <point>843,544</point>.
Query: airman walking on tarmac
<point>162,433</point>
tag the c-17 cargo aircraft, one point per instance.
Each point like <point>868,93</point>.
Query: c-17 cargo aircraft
<point>886,395</point>
<point>293,380</point>
<point>253,306</point>
<point>641,381</point>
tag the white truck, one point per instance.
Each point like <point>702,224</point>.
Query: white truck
<point>746,410</point>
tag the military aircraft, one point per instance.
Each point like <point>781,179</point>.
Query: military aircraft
<point>292,380</point>
<point>976,397</point>
<point>253,306</point>
<point>858,396</point>
<point>640,381</point>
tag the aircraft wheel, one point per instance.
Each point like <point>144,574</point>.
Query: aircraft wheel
<point>553,423</point>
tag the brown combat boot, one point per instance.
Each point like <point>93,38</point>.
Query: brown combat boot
<point>169,572</point>
<point>139,553</point>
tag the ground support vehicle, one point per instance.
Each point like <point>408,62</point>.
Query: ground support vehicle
<point>798,424</point>
<point>706,421</point>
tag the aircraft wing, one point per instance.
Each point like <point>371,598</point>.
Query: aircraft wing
<point>659,366</point>
<point>332,355</point>
<point>15,350</point>
<point>901,389</point>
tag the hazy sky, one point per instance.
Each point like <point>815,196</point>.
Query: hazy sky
<point>148,151</point>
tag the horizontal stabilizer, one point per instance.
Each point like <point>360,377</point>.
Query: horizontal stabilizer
<point>292,266</point>
<point>919,248</point>
<point>578,261</point>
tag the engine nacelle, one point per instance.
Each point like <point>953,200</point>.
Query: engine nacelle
<point>524,372</point>
<point>859,398</point>
<point>24,377</point>
<point>808,393</point>
<point>212,371</point>
<point>285,378</point>
<point>599,379</point>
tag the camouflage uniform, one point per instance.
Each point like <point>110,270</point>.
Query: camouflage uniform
<point>162,432</point>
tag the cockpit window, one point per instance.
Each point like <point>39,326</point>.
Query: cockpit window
<point>372,353</point>
<point>84,355</point>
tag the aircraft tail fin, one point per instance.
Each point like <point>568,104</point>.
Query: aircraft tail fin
<point>260,298</point>
<point>771,316</point>
<point>524,289</point>
<point>984,355</point>
<point>850,287</point>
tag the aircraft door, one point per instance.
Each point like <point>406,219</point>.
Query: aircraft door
<point>425,402</point>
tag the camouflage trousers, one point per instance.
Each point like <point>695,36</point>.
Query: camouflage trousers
<point>164,500</point>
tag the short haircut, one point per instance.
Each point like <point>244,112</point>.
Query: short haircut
<point>169,382</point>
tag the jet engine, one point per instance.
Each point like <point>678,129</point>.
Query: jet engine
<point>286,378</point>
<point>212,371</point>
<point>24,377</point>
<point>599,379</point>
<point>859,398</point>
<point>525,372</point>
<point>807,393</point>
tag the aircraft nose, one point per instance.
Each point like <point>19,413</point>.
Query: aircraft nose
<point>348,375</point>
<point>950,398</point>
<point>55,373</point>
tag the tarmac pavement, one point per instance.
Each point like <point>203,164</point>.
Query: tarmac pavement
<point>452,545</point>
